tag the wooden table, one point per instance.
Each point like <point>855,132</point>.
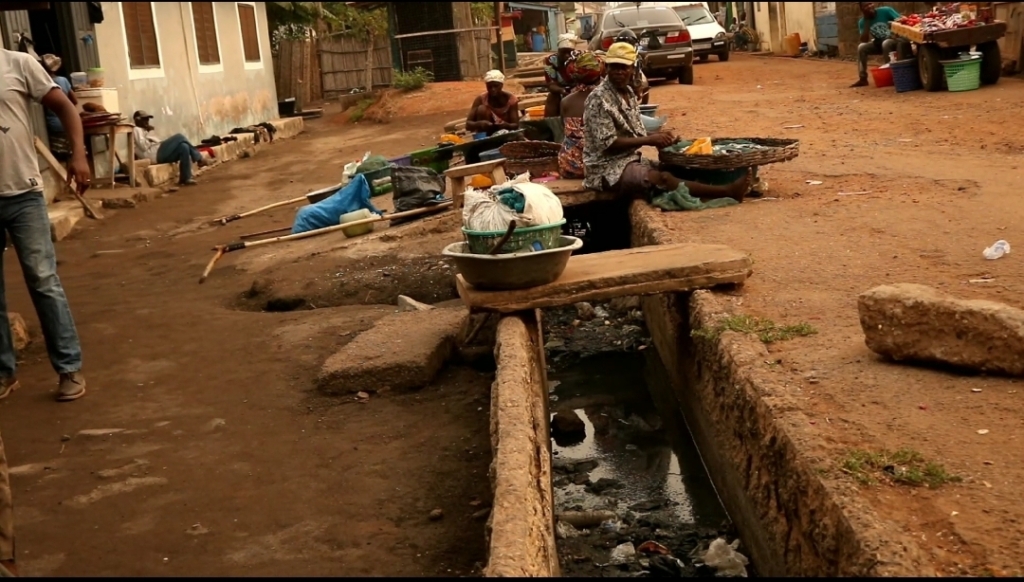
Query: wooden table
<point>112,131</point>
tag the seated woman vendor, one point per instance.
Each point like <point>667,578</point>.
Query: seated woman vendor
<point>614,135</point>
<point>584,71</point>
<point>495,110</point>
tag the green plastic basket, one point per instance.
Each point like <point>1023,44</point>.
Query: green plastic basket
<point>963,74</point>
<point>548,235</point>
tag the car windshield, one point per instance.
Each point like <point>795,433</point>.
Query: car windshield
<point>640,17</point>
<point>692,15</point>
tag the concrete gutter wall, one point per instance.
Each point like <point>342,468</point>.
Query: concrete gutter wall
<point>521,526</point>
<point>754,439</point>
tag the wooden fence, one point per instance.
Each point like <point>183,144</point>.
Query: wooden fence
<point>344,62</point>
<point>311,71</point>
<point>297,72</point>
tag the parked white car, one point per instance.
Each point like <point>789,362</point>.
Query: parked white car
<point>708,36</point>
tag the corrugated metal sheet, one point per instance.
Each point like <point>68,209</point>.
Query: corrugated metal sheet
<point>78,35</point>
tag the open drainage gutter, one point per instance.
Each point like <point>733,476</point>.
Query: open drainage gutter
<point>744,423</point>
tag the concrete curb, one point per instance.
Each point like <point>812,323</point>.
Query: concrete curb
<point>521,525</point>
<point>65,215</point>
<point>760,451</point>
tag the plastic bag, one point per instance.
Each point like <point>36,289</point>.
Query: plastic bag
<point>622,554</point>
<point>725,559</point>
<point>542,205</point>
<point>700,146</point>
<point>372,164</point>
<point>350,169</point>
<point>483,212</point>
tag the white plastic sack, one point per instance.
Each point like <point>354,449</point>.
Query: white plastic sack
<point>482,211</point>
<point>542,205</point>
<point>724,558</point>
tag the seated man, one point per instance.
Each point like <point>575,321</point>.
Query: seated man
<point>495,110</point>
<point>615,134</point>
<point>59,143</point>
<point>173,149</point>
<point>874,37</point>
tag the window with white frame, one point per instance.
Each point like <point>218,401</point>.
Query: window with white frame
<point>140,35</point>
<point>204,22</point>
<point>250,33</point>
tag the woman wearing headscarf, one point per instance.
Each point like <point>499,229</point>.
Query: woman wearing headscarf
<point>584,71</point>
<point>555,76</point>
<point>496,109</point>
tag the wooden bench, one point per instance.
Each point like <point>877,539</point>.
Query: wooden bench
<point>494,168</point>
<point>648,270</point>
<point>569,190</point>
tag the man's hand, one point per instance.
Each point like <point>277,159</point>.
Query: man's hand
<point>661,140</point>
<point>78,170</point>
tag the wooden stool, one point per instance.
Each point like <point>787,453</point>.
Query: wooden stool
<point>459,174</point>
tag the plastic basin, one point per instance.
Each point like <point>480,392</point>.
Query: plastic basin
<point>882,77</point>
<point>512,271</point>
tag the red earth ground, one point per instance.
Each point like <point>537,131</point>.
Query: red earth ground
<point>230,464</point>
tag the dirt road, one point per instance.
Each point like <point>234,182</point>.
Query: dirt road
<point>228,463</point>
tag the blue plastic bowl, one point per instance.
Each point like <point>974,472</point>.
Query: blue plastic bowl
<point>480,135</point>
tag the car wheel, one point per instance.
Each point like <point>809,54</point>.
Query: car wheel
<point>703,58</point>
<point>686,76</point>
<point>723,56</point>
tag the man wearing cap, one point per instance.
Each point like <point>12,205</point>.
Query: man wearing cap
<point>173,149</point>
<point>614,134</point>
<point>555,76</point>
<point>875,37</point>
<point>494,110</point>
<point>24,218</point>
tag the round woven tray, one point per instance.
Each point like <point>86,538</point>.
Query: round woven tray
<point>776,150</point>
<point>529,150</point>
<point>535,166</point>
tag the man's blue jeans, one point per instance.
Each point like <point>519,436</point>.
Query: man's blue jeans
<point>177,149</point>
<point>25,219</point>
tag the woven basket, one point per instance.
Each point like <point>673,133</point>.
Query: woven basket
<point>535,166</point>
<point>778,150</point>
<point>529,150</point>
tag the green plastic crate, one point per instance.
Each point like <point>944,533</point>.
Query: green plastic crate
<point>437,159</point>
<point>548,235</point>
<point>963,74</point>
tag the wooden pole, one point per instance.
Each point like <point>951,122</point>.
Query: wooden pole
<point>501,43</point>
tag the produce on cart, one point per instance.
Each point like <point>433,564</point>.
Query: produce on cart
<point>944,34</point>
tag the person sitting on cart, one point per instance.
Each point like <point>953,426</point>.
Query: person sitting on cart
<point>614,134</point>
<point>875,38</point>
<point>555,77</point>
<point>495,110</point>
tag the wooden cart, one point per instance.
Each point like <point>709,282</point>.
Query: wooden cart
<point>934,47</point>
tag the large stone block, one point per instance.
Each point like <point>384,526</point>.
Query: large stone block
<point>401,351</point>
<point>63,218</point>
<point>918,323</point>
<point>19,330</point>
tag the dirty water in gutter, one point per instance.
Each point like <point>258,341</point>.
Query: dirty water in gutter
<point>627,474</point>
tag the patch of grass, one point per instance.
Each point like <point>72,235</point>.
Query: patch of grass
<point>766,330</point>
<point>359,110</point>
<point>412,80</point>
<point>902,467</point>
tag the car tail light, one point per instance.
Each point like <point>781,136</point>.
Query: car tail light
<point>677,37</point>
<point>607,43</point>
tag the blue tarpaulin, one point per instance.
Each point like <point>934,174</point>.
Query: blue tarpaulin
<point>327,212</point>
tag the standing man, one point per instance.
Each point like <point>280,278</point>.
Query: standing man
<point>23,216</point>
<point>874,37</point>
